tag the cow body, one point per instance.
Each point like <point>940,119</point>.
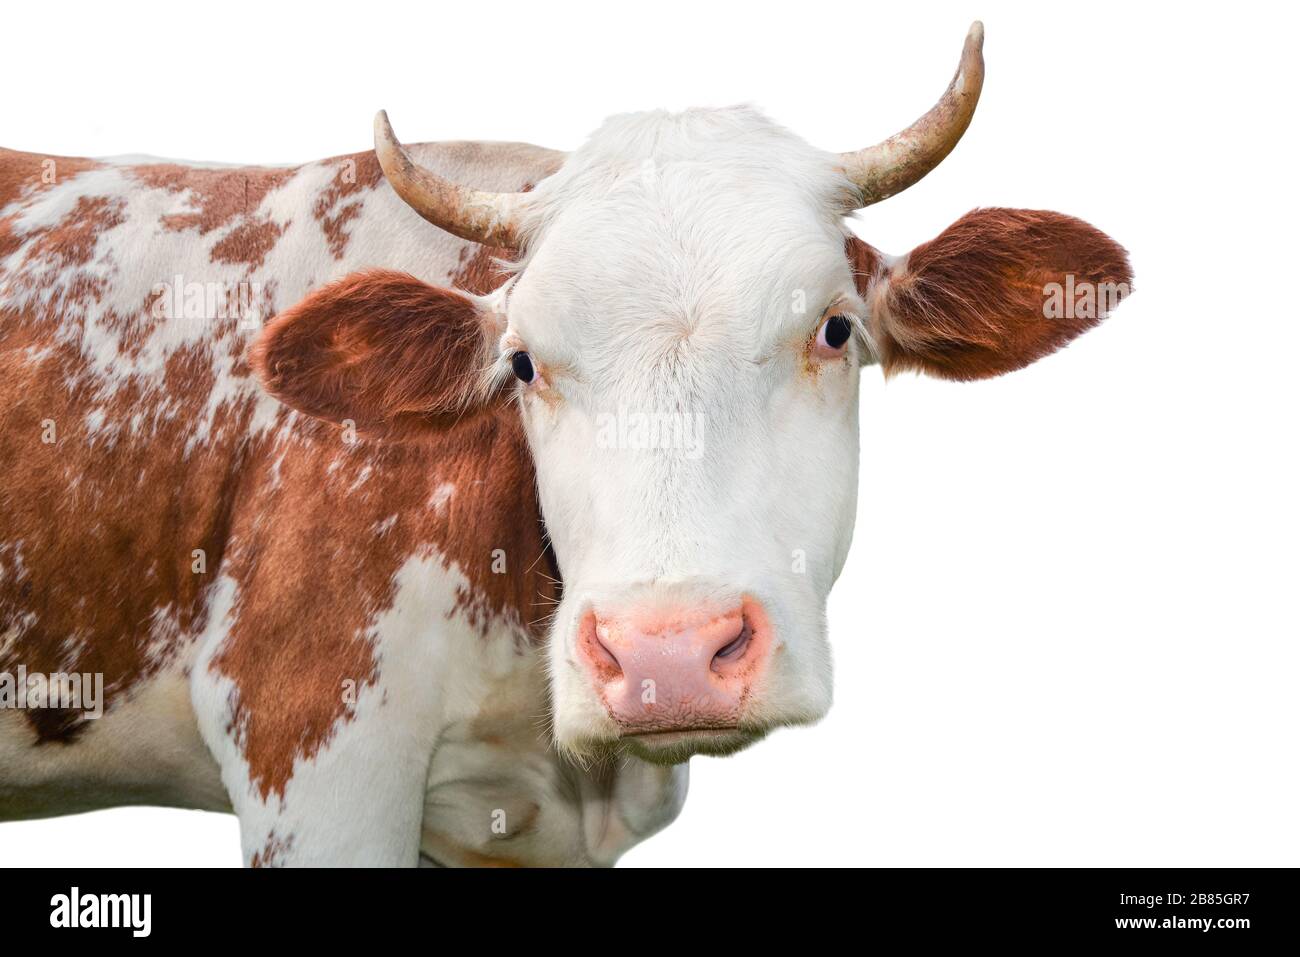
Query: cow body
<point>306,627</point>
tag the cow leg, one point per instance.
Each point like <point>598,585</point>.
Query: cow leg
<point>357,801</point>
<point>322,770</point>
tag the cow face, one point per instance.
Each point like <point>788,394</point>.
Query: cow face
<point>682,336</point>
<point>685,336</point>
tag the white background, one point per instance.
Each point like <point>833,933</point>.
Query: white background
<point>1066,634</point>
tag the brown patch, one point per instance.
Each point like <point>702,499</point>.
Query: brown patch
<point>249,242</point>
<point>340,202</point>
<point>382,349</point>
<point>220,195</point>
<point>72,241</point>
<point>866,261</point>
<point>88,585</point>
<point>480,270</point>
<point>273,852</point>
<point>24,173</point>
<point>9,240</point>
<point>970,303</point>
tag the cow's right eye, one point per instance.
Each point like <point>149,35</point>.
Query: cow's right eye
<point>836,331</point>
<point>522,363</point>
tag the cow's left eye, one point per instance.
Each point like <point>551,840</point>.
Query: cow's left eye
<point>834,333</point>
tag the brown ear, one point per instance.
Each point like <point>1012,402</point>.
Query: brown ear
<point>381,349</point>
<point>993,292</point>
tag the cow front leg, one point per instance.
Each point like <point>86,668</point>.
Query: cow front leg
<point>357,803</point>
<point>318,775</point>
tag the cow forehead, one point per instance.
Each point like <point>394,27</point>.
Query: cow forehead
<point>706,224</point>
<point>699,183</point>
<point>738,143</point>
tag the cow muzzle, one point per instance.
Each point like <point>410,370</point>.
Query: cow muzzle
<point>678,680</point>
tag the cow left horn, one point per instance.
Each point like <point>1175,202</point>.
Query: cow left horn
<point>473,214</point>
<point>891,166</point>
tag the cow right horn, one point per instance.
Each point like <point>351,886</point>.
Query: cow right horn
<point>891,166</point>
<point>473,214</point>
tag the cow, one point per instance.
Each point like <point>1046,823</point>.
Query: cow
<point>435,504</point>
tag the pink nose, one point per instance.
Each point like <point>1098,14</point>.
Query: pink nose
<point>687,670</point>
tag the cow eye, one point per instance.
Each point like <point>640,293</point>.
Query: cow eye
<point>522,364</point>
<point>834,333</point>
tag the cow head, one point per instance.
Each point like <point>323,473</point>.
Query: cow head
<point>682,333</point>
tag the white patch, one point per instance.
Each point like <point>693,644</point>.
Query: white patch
<point>362,477</point>
<point>441,496</point>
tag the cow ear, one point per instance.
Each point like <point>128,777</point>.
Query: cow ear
<point>383,351</point>
<point>993,292</point>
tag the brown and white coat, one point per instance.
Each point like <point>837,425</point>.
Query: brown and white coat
<point>345,622</point>
<point>256,587</point>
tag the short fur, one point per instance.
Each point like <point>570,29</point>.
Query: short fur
<point>383,349</point>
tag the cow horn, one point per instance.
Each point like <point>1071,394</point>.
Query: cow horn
<point>474,214</point>
<point>891,166</point>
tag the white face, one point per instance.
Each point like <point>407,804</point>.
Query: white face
<point>693,418</point>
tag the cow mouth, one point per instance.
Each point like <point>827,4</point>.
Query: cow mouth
<point>676,746</point>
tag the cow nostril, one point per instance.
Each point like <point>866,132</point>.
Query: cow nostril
<point>735,648</point>
<point>605,660</point>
